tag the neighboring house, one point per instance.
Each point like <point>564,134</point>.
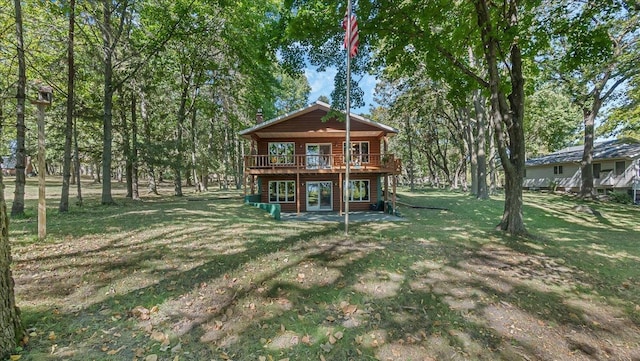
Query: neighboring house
<point>615,168</point>
<point>9,165</point>
<point>297,161</point>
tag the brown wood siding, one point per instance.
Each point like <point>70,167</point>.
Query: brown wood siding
<point>334,178</point>
<point>313,122</point>
<point>336,144</point>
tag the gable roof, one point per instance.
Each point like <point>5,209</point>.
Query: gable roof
<point>263,128</point>
<point>612,149</point>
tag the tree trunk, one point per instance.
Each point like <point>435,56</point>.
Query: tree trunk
<point>481,158</point>
<point>11,329</point>
<point>17,209</point>
<point>471,146</point>
<point>411,166</point>
<point>586,166</point>
<point>68,130</point>
<point>152,186</point>
<point>493,176</point>
<point>107,129</point>
<point>186,81</point>
<point>135,193</point>
<point>194,142</point>
<point>126,150</point>
<point>77,163</point>
<point>507,116</point>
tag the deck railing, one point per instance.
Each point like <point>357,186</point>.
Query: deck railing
<point>300,162</point>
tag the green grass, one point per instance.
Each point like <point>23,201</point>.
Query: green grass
<point>204,277</point>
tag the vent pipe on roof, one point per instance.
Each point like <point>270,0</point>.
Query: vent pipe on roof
<point>259,118</point>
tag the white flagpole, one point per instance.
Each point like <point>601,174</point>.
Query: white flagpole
<point>348,123</point>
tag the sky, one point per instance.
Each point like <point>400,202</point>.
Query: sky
<point>322,84</point>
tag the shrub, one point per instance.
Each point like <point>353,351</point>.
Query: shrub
<point>620,197</point>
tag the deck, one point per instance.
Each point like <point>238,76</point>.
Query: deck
<point>319,164</point>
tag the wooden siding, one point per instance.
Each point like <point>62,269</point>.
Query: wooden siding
<point>312,122</point>
<point>336,144</point>
<point>334,178</point>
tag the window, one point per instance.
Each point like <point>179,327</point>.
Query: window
<point>359,191</point>
<point>359,152</point>
<point>282,191</point>
<point>281,153</point>
<point>620,167</point>
<point>557,169</point>
<point>596,170</point>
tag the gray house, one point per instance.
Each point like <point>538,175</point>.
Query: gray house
<point>616,167</point>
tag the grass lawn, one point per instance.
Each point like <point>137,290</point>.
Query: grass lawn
<point>204,277</point>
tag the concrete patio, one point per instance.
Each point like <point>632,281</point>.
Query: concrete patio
<point>336,217</point>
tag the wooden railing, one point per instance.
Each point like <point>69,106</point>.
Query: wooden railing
<point>299,162</point>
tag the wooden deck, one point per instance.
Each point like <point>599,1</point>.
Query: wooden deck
<point>320,164</point>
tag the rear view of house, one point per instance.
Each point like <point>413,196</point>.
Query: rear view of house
<point>298,161</point>
<point>615,168</point>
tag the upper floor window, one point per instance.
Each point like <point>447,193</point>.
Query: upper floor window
<point>557,169</point>
<point>281,153</point>
<point>359,152</point>
<point>620,167</point>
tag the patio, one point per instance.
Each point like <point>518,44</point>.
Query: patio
<point>336,217</point>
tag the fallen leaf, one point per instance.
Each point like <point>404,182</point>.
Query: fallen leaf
<point>262,358</point>
<point>332,340</point>
<point>326,347</point>
<point>158,336</point>
<point>306,339</point>
<point>152,357</point>
<point>322,358</point>
<point>338,335</point>
<point>176,348</point>
<point>349,309</point>
<point>15,357</point>
<point>282,329</point>
<point>52,336</point>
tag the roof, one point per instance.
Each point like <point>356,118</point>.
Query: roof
<point>318,105</point>
<point>613,149</point>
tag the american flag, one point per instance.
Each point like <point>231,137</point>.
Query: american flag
<point>350,42</point>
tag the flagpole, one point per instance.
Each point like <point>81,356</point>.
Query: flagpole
<point>348,124</point>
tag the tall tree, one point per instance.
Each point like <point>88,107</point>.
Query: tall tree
<point>68,132</point>
<point>11,329</point>
<point>437,36</point>
<point>624,119</point>
<point>597,50</point>
<point>18,199</point>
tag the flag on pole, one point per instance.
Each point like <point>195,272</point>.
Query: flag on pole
<point>351,35</point>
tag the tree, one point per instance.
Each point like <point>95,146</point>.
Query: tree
<point>18,200</point>
<point>11,329</point>
<point>596,47</point>
<point>497,31</point>
<point>551,122</point>
<point>624,120</point>
<point>68,133</point>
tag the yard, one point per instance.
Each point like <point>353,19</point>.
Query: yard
<point>204,277</point>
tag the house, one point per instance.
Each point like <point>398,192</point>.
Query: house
<point>615,168</point>
<point>298,161</point>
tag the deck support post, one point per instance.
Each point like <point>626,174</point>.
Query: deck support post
<point>386,191</point>
<point>341,190</point>
<point>298,192</point>
<point>393,197</point>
